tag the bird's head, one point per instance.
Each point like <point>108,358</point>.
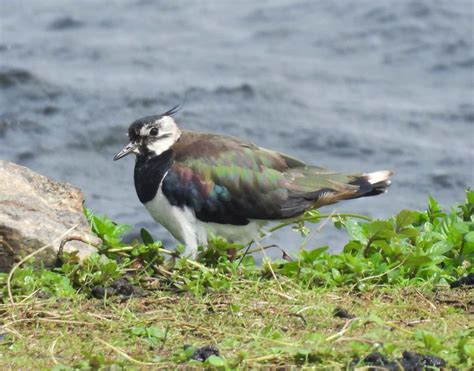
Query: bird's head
<point>151,135</point>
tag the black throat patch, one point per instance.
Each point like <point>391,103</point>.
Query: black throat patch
<point>149,172</point>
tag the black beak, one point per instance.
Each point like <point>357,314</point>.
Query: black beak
<point>129,148</point>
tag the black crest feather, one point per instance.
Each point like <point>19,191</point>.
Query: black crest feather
<point>173,110</point>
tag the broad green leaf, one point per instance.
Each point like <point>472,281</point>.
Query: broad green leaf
<point>156,332</point>
<point>381,229</point>
<point>248,261</point>
<point>404,219</point>
<point>336,275</point>
<point>146,237</point>
<point>357,230</point>
<point>431,341</point>
<point>215,361</point>
<point>311,255</point>
<point>138,331</point>
<point>461,227</point>
<point>409,232</point>
<point>469,237</point>
<point>440,248</point>
<point>417,260</point>
<point>434,209</point>
<point>352,246</point>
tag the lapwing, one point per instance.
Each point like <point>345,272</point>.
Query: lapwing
<point>195,184</point>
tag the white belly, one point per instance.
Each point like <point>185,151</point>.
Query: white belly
<point>242,234</point>
<point>180,222</point>
<point>186,228</point>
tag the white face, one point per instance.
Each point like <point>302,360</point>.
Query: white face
<point>159,136</point>
<point>150,137</point>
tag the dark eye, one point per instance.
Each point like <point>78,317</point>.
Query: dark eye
<point>154,132</point>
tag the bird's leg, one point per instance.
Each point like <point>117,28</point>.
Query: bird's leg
<point>245,253</point>
<point>191,249</point>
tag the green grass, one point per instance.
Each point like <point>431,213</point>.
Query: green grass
<point>392,277</point>
<point>253,323</point>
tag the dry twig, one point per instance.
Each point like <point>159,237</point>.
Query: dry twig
<point>125,355</point>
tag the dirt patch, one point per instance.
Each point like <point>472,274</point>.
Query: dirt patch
<point>203,353</point>
<point>340,312</point>
<point>410,361</point>
<point>461,298</point>
<point>464,281</point>
<point>120,287</point>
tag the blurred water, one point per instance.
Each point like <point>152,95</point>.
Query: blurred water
<point>350,85</point>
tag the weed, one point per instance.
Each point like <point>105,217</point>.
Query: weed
<point>392,276</point>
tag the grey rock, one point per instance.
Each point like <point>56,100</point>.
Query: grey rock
<point>35,211</point>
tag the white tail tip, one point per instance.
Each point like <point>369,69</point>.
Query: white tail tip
<point>379,176</point>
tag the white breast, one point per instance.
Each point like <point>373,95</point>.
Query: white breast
<point>186,228</point>
<point>180,222</point>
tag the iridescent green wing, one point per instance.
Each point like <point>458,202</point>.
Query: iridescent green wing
<point>231,181</point>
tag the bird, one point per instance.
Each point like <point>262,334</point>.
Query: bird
<point>201,184</point>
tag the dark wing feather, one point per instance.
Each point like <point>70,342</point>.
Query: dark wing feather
<point>227,180</point>
<point>231,181</point>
